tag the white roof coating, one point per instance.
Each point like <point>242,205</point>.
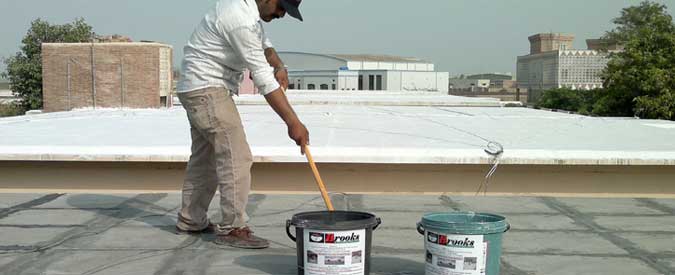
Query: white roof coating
<point>350,133</point>
<point>385,98</point>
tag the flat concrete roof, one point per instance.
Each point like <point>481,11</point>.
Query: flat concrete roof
<point>353,128</point>
<point>376,98</point>
<point>134,234</point>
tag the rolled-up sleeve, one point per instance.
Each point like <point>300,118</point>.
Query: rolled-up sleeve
<point>248,43</point>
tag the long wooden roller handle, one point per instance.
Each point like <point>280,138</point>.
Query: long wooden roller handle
<point>319,182</point>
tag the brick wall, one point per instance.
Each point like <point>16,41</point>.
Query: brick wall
<point>126,75</point>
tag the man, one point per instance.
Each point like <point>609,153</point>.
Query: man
<point>229,40</point>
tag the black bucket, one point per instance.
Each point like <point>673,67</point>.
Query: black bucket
<point>336,242</point>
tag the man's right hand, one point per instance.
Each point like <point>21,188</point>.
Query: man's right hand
<point>298,132</point>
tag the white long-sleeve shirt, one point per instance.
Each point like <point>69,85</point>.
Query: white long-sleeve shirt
<point>228,40</point>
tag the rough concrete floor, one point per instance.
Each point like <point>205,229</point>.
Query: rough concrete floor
<point>133,234</point>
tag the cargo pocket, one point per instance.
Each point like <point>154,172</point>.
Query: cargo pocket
<point>200,112</point>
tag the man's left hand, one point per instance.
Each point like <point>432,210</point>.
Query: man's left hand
<point>282,77</point>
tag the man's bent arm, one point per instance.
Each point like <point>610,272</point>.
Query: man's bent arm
<point>273,59</point>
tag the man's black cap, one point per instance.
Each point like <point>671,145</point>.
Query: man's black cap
<point>291,7</point>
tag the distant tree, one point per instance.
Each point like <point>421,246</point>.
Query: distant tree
<point>580,101</point>
<point>640,80</point>
<point>24,69</point>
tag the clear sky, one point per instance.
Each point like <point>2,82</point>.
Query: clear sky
<point>459,36</point>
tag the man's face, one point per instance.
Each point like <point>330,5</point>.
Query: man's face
<point>271,9</point>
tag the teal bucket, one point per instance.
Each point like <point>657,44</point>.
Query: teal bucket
<point>462,242</point>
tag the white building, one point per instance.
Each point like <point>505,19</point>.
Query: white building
<point>547,68</point>
<point>464,83</point>
<point>362,72</point>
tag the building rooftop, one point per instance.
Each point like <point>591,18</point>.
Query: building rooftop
<point>124,44</point>
<point>363,57</point>
<point>551,36</point>
<point>133,234</point>
<point>377,58</point>
<point>353,128</point>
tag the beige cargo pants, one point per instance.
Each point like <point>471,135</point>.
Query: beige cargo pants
<point>221,159</point>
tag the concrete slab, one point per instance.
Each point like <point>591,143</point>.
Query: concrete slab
<point>559,243</point>
<point>403,221</point>
<point>202,261</point>
<point>394,241</point>
<point>260,205</point>
<point>8,200</point>
<point>150,220</point>
<point>6,259</point>
<point>254,263</point>
<point>159,202</point>
<point>84,201</point>
<point>126,237</point>
<point>74,262</point>
<point>283,263</point>
<point>565,265</point>
<point>52,217</point>
<point>503,205</point>
<point>654,224</point>
<point>667,202</point>
<point>269,220</point>
<point>543,222</point>
<point>668,262</point>
<point>14,236</point>
<point>399,264</point>
<point>416,203</point>
<point>146,262</point>
<point>142,239</point>
<point>609,206</point>
<point>653,242</point>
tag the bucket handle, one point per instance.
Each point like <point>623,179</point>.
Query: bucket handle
<point>379,221</point>
<point>420,228</point>
<point>288,230</point>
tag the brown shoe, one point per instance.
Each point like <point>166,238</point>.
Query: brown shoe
<point>210,229</point>
<point>242,238</point>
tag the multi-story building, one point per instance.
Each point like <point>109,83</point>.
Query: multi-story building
<point>553,63</point>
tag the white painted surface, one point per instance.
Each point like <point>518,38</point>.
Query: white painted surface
<point>424,81</point>
<point>343,80</point>
<point>354,132</point>
<point>6,96</point>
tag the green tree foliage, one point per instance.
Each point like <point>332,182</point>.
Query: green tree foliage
<point>580,101</point>
<point>24,69</point>
<point>640,81</point>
